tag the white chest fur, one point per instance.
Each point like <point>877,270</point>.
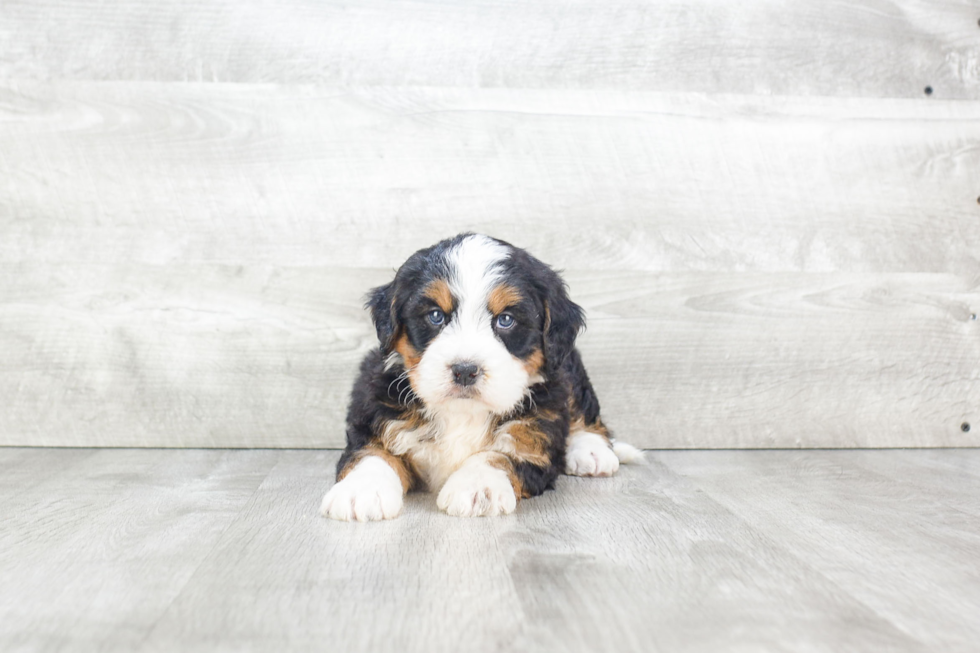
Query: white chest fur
<point>450,436</point>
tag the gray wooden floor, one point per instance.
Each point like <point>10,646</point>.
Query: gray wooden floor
<point>146,550</point>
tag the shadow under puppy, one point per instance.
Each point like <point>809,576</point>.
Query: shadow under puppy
<point>476,392</point>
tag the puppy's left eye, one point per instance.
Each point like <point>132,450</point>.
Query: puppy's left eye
<point>436,317</point>
<point>505,321</point>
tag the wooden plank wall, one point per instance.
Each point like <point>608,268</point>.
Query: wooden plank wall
<point>774,228</point>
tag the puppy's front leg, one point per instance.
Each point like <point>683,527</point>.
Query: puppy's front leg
<point>371,487</point>
<point>482,486</point>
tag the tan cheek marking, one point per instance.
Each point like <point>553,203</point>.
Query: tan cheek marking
<point>534,363</point>
<point>438,291</point>
<point>502,297</point>
<point>406,350</point>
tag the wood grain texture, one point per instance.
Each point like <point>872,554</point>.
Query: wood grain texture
<point>917,529</point>
<point>226,356</point>
<point>253,175</point>
<point>188,550</point>
<point>881,48</point>
<point>773,227</point>
<point>756,361</point>
<point>317,583</point>
<point>93,555</point>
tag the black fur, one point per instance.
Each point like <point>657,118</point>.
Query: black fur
<point>374,401</point>
<point>383,313</point>
<point>548,398</point>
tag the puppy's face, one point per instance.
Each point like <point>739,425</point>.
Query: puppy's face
<point>476,322</point>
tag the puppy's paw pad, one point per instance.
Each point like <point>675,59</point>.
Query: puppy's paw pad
<point>368,493</point>
<point>477,491</point>
<point>590,455</point>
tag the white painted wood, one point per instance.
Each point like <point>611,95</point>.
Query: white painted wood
<point>774,229</point>
<point>225,356</point>
<point>217,356</point>
<point>187,550</point>
<point>881,48</point>
<point>758,361</point>
<point>255,175</point>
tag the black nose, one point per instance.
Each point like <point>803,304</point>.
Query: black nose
<point>466,373</point>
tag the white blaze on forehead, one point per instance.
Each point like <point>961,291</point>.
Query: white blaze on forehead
<point>474,270</point>
<point>459,427</point>
<point>474,266</point>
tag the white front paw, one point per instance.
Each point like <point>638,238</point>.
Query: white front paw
<point>371,491</point>
<point>475,490</point>
<point>589,454</point>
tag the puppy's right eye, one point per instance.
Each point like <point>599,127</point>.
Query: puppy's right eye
<point>436,317</point>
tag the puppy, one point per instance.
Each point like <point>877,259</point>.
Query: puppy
<point>476,392</point>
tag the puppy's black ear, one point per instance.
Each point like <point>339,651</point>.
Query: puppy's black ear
<point>382,306</point>
<point>563,319</point>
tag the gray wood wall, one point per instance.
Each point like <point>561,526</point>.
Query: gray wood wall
<point>775,230</point>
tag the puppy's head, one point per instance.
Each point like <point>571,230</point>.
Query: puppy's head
<point>476,322</point>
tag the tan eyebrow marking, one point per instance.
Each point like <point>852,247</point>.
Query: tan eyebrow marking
<point>503,296</point>
<point>438,291</point>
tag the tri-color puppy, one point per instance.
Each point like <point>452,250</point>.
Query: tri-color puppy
<point>476,392</point>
